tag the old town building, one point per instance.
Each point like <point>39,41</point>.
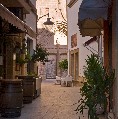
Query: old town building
<point>16,30</point>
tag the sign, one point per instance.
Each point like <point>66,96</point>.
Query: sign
<point>74,40</point>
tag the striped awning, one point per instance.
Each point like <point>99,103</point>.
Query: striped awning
<point>15,21</point>
<point>91,15</point>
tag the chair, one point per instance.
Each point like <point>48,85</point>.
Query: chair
<point>67,79</point>
<point>58,80</point>
<point>63,80</point>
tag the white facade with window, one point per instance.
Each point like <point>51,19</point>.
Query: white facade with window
<point>77,53</point>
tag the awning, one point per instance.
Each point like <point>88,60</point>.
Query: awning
<point>15,21</point>
<point>90,41</point>
<point>91,15</point>
<point>30,31</point>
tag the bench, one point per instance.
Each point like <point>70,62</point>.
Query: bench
<point>58,80</point>
<point>68,79</point>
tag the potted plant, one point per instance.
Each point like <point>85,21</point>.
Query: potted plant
<point>20,61</point>
<point>40,54</point>
<point>63,65</point>
<point>97,88</point>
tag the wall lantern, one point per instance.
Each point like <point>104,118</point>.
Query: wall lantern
<point>14,56</point>
<point>48,23</point>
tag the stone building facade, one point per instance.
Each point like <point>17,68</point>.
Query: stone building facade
<point>57,53</point>
<point>14,30</point>
<point>51,38</point>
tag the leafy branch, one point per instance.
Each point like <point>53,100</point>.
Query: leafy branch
<point>62,27</point>
<point>40,54</point>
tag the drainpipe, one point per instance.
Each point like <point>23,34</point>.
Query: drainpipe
<point>100,48</point>
<point>57,60</point>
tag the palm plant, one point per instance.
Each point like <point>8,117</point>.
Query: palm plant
<point>97,88</point>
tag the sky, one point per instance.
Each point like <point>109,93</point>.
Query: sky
<point>61,38</point>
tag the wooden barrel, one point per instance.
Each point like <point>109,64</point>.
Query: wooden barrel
<point>28,88</point>
<point>11,98</point>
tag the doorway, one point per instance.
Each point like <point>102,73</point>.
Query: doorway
<point>51,67</point>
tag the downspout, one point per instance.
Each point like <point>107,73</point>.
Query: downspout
<point>100,48</point>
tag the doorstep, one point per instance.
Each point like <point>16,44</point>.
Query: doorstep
<point>77,83</point>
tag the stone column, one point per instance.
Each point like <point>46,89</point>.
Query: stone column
<point>23,72</point>
<point>58,59</point>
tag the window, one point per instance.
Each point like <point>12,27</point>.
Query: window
<point>17,11</point>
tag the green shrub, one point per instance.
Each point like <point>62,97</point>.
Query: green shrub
<point>40,54</point>
<point>63,64</point>
<point>97,88</point>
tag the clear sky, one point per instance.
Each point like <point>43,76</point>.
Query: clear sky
<point>61,38</point>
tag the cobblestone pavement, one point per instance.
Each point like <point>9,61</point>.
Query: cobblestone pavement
<point>55,102</point>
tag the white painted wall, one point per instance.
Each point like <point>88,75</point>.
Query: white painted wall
<point>31,20</point>
<point>72,18</point>
<point>33,39</point>
<point>33,2</point>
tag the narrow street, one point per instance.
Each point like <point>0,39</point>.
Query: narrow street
<point>55,102</point>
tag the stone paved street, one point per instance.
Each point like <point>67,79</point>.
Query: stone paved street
<point>55,102</point>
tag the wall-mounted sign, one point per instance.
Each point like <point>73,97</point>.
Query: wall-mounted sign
<point>74,40</point>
